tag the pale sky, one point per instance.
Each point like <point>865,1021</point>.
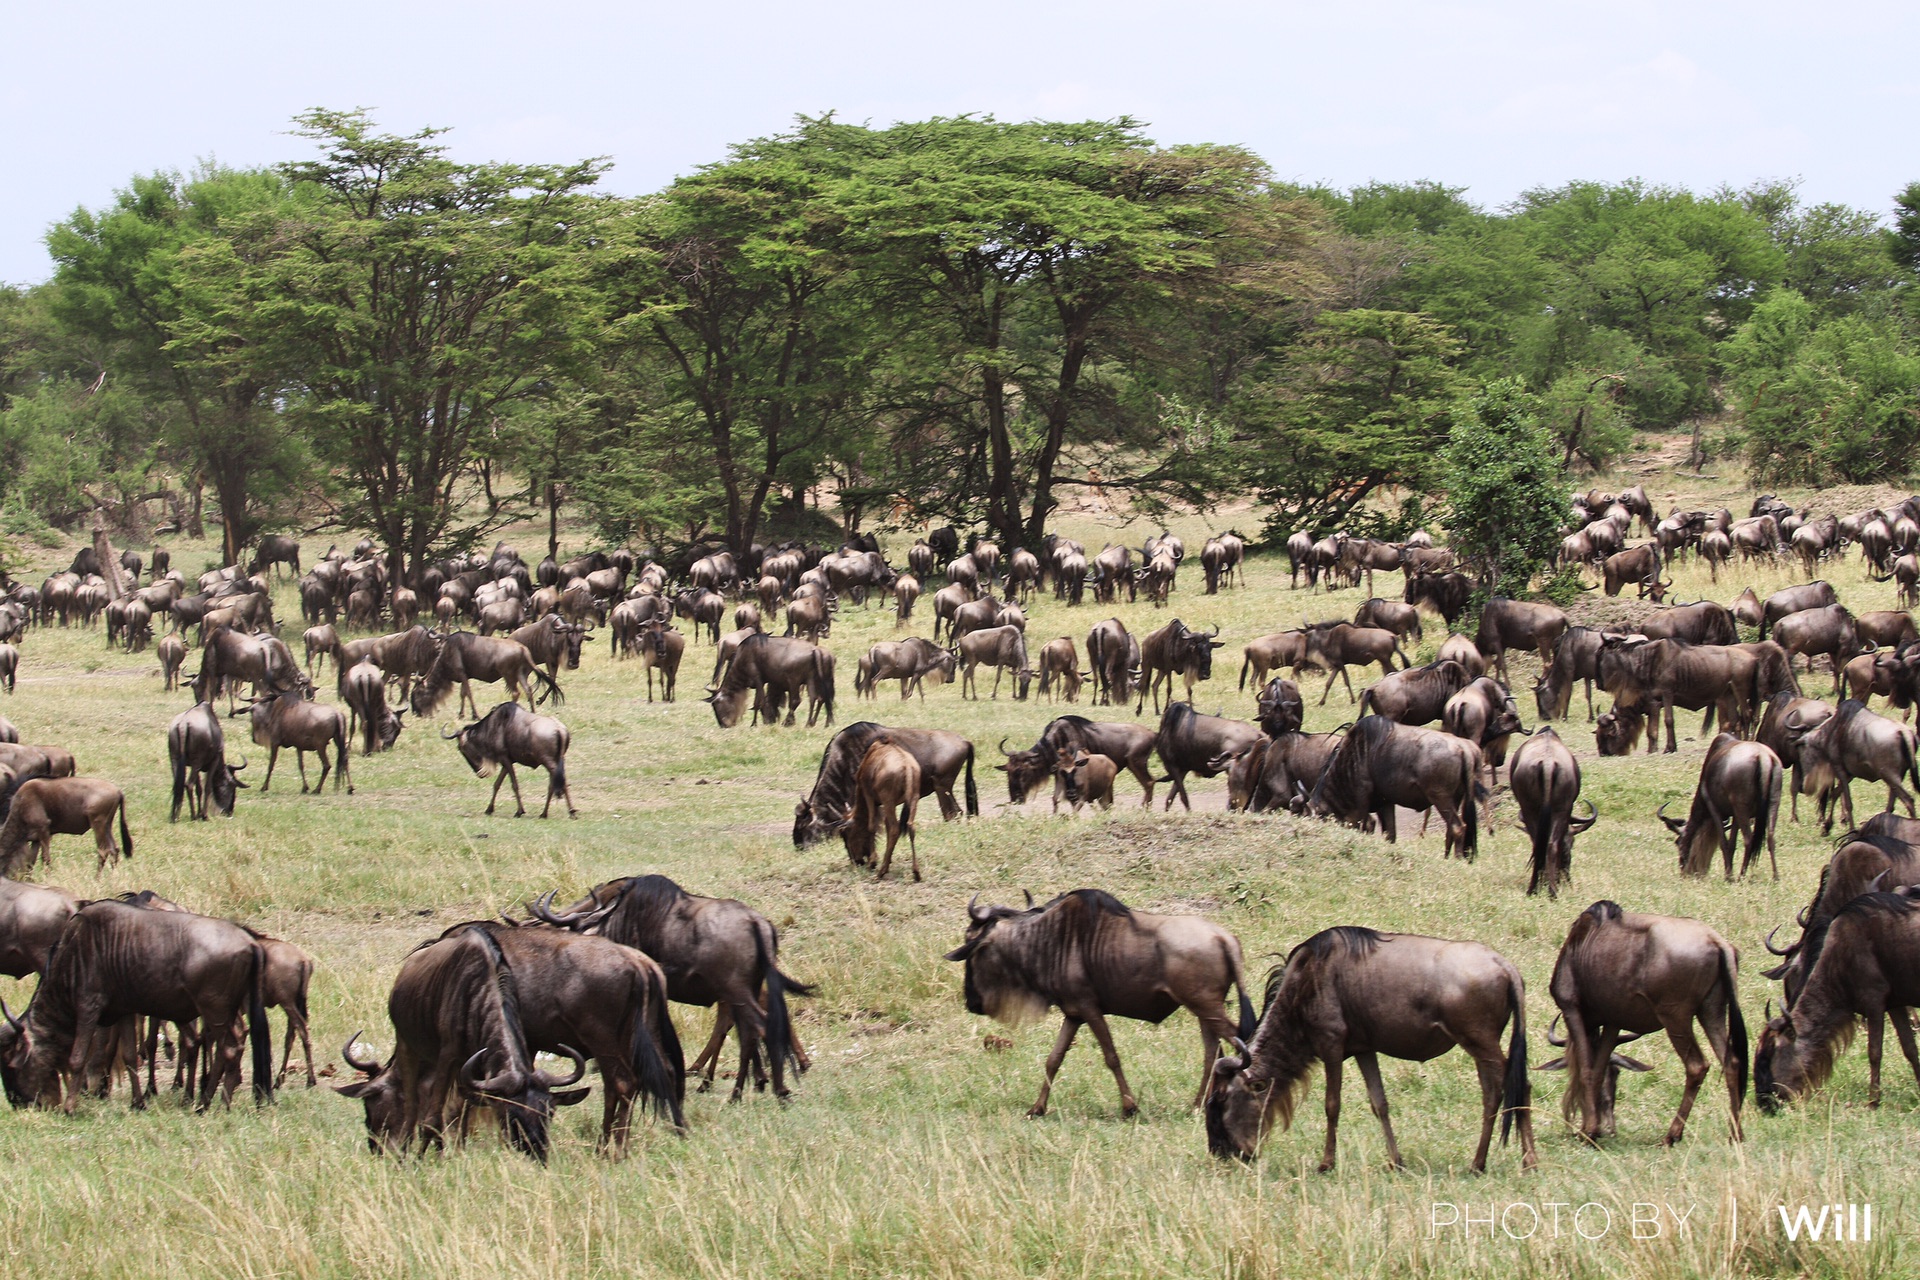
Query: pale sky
<point>1493,96</point>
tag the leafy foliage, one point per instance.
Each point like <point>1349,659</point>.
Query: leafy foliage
<point>1506,491</point>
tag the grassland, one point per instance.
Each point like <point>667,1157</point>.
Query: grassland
<point>905,1151</point>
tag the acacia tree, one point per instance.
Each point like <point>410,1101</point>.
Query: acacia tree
<point>405,301</point>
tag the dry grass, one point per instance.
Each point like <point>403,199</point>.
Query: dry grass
<point>905,1151</point>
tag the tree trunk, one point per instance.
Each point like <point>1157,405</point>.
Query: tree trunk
<point>109,562</point>
<point>196,527</point>
<point>553,519</point>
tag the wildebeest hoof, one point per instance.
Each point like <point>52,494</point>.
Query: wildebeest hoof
<point>1036,1113</point>
<point>1325,1167</point>
<point>1129,1111</point>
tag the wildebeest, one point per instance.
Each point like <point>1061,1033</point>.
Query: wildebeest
<point>661,648</point>
<point>288,720</point>
<point>1791,600</point>
<point>1003,648</point>
<point>1060,673</point>
<point>1189,742</point>
<point>230,656</point>
<point>1738,796</point>
<point>1855,743</point>
<point>942,758</point>
<point>886,794</point>
<point>31,919</point>
<point>276,549</point>
<point>554,643</point>
<point>1332,646</point>
<point>1863,963</point>
<point>1390,615</point>
<point>115,962</point>
<point>464,657</point>
<point>510,735</point>
<point>1702,622</point>
<point>1129,745</point>
<point>1270,653</point>
<point>1088,779</point>
<point>1114,656</point>
<point>715,951</point>
<point>1640,565</point>
<point>1114,570</point>
<point>363,687</point>
<point>1281,710</point>
<point>1518,624</point>
<point>1545,779</point>
<point>777,671</point>
<point>42,808</point>
<point>1382,766</point>
<point>1446,593</point>
<point>947,602</point>
<point>909,661</point>
<point>1416,695</point>
<point>197,750</point>
<point>1483,713</point>
<point>1650,678</point>
<point>1088,955</point>
<point>1299,557</point>
<point>1175,650</point>
<point>1576,657</point>
<point>1352,992</point>
<point>1825,629</point>
<point>456,1010</point>
<point>1274,773</point>
<point>1622,974</point>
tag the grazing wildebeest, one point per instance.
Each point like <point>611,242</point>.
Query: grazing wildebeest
<point>1060,673</point>
<point>1364,555</point>
<point>1280,708</point>
<point>230,656</point>
<point>1114,656</point>
<point>42,808</point>
<point>1382,766</point>
<point>1088,955</point>
<point>510,735</point>
<point>1738,796</point>
<point>31,920</point>
<point>609,1001</point>
<point>1855,743</point>
<point>197,750</point>
<point>705,608</point>
<point>1113,568</point>
<point>1390,615</point>
<point>1862,963</point>
<point>1791,600</point>
<point>276,549</point>
<point>1331,646</point>
<point>288,720</point>
<point>1351,992</point>
<point>1460,649</point>
<point>1649,678</point>
<point>1005,648</point>
<point>1300,556</point>
<point>947,602</point>
<point>1275,773</point>
<point>1518,624</point>
<point>172,652</point>
<point>1189,742</point>
<point>1545,779</point>
<point>777,671</point>
<point>1484,714</point>
<point>1175,650</point>
<point>1023,574</point>
<point>1416,695</point>
<point>1622,974</point>
<point>1576,657</point>
<point>115,962</point>
<point>906,590</point>
<point>455,1007</point>
<point>715,951</point>
<point>1640,565</point>
<point>886,794</point>
<point>464,657</point>
<point>1129,745</point>
<point>1270,653</point>
<point>1446,593</point>
<point>909,661</point>
<point>363,687</point>
<point>661,648</point>
<point>941,756</point>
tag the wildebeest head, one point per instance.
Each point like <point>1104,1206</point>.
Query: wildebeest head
<point>378,1090</point>
<point>1609,1083</point>
<point>1025,770</point>
<point>1780,1066</point>
<point>808,829</point>
<point>527,1097</point>
<point>483,743</point>
<point>992,987</point>
<point>224,783</point>
<point>1617,731</point>
<point>1240,1106</point>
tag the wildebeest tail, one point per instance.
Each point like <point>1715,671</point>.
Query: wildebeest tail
<point>973,792</point>
<point>1517,1092</point>
<point>179,786</point>
<point>1248,1018</point>
<point>1736,1024</point>
<point>551,691</point>
<point>126,837</point>
<point>779,1021</point>
<point>257,1030</point>
<point>1470,812</point>
<point>659,1063</point>
<point>1546,828</point>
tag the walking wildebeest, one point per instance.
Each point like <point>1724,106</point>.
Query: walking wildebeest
<point>715,951</point>
<point>909,661</point>
<point>1738,796</point>
<point>1331,646</point>
<point>464,657</point>
<point>1060,673</point>
<point>1382,766</point>
<point>1189,742</point>
<point>510,735</point>
<point>1270,653</point>
<point>115,962</point>
<point>197,751</point>
<point>1005,649</point>
<point>1545,779</point>
<point>1091,957</point>
<point>1516,624</point>
<point>288,720</point>
<point>1114,656</point>
<point>1415,695</point>
<point>1855,743</point>
<point>1792,600</point>
<point>1863,963</point>
<point>1175,650</point>
<point>1129,745</point>
<point>455,1006</point>
<point>1351,992</point>
<point>661,648</point>
<point>363,687</point>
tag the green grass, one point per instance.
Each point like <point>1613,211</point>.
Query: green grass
<point>905,1151</point>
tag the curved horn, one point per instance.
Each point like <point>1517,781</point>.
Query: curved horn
<point>1003,745</point>
<point>507,1083</point>
<point>1578,825</point>
<point>1768,944</point>
<point>449,734</point>
<point>579,1068</point>
<point>1800,917</point>
<point>1673,824</point>
<point>1879,883</point>
<point>1558,1042</point>
<point>369,1065</point>
<point>8,1013</point>
<point>974,910</point>
<point>238,767</point>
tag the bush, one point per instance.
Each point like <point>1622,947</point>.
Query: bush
<point>1506,490</point>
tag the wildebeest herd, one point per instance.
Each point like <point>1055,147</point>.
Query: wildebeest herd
<point>124,978</point>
